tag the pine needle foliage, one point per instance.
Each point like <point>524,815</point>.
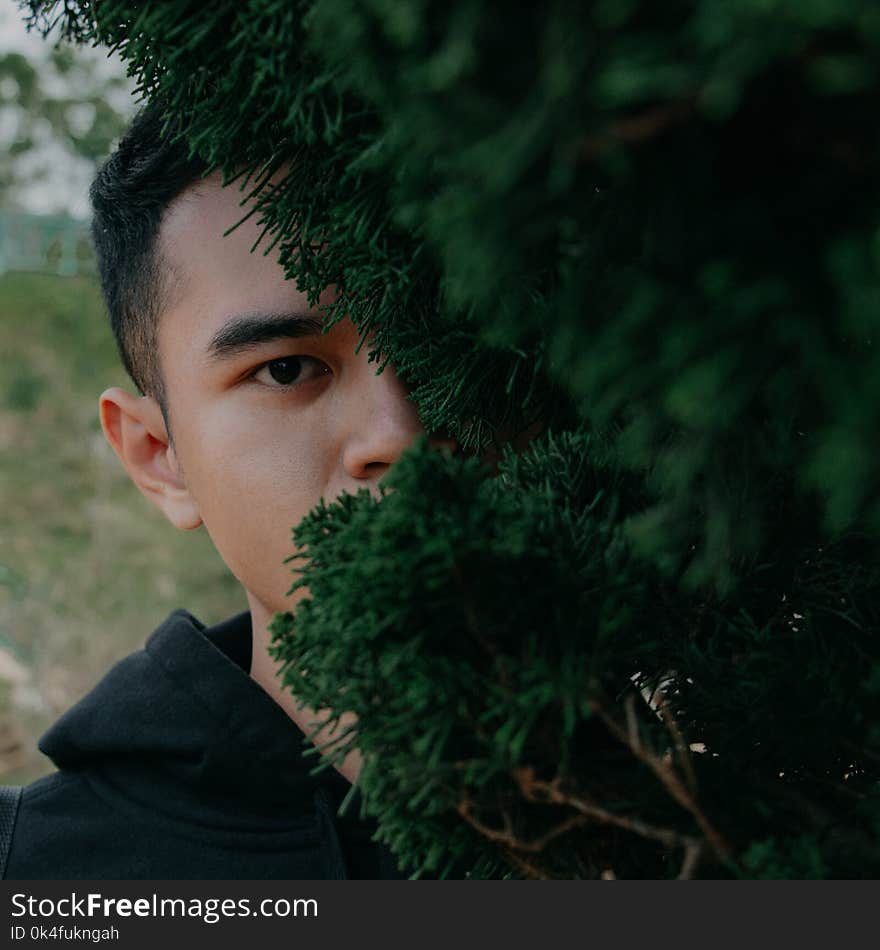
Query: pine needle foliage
<point>530,697</point>
<point>652,228</point>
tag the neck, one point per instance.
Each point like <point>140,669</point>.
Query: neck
<point>264,670</point>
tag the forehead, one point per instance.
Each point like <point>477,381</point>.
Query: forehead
<point>209,276</point>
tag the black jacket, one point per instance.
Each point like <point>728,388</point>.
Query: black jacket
<point>179,766</point>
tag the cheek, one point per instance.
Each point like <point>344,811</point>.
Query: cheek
<point>252,486</point>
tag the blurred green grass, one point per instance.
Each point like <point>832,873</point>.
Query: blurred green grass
<point>88,568</point>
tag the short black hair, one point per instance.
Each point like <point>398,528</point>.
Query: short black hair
<point>131,192</point>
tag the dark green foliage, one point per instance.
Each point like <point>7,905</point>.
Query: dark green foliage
<point>671,208</point>
<point>693,191</point>
<point>493,636</point>
<point>655,226</point>
<point>457,678</point>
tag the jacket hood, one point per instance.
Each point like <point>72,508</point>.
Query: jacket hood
<point>180,727</point>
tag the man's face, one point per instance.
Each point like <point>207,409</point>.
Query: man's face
<point>268,414</point>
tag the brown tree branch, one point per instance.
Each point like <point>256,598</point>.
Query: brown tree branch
<point>682,749</point>
<point>536,790</point>
<point>542,792</point>
<point>670,781</point>
<point>506,836</point>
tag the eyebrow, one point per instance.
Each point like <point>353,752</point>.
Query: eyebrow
<point>248,330</point>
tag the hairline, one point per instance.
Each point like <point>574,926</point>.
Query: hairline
<point>163,274</point>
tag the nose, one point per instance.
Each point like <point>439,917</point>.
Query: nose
<point>384,423</point>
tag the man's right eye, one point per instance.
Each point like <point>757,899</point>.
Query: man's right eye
<point>290,371</point>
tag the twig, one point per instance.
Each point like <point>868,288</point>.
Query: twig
<point>670,782</point>
<point>536,790</point>
<point>693,851</point>
<point>530,870</point>
<point>681,747</point>
<point>632,723</point>
<point>508,838</point>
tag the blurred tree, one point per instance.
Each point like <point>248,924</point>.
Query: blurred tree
<point>61,110</point>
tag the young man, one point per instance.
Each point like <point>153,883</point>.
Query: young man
<point>186,760</point>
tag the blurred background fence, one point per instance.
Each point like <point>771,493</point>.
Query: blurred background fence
<point>48,244</point>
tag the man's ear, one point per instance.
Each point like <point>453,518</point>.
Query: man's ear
<point>136,429</point>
